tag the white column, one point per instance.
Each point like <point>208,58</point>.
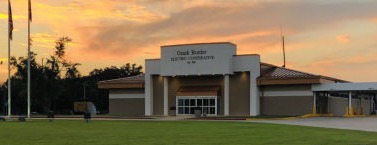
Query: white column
<point>314,99</point>
<point>371,104</point>
<point>254,93</point>
<point>350,102</point>
<point>314,111</point>
<point>148,95</point>
<point>226,95</point>
<point>166,86</point>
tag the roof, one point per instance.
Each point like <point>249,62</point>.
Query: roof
<point>272,71</point>
<point>127,82</point>
<point>198,91</point>
<point>270,75</point>
<point>276,73</point>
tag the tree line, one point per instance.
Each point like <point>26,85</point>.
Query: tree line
<point>57,83</point>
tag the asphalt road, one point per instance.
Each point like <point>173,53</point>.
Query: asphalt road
<point>359,123</point>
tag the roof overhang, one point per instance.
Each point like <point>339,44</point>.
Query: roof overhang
<point>372,86</point>
<point>133,82</point>
<point>121,85</point>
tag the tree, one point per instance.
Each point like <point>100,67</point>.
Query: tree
<point>58,62</point>
<point>56,85</point>
<point>114,72</point>
<point>72,71</point>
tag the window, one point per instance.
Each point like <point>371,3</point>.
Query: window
<point>190,104</point>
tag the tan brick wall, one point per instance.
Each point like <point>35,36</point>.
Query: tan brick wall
<point>286,105</point>
<point>126,107</point>
<point>239,94</point>
<point>158,95</point>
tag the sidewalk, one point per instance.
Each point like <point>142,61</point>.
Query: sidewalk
<point>356,123</point>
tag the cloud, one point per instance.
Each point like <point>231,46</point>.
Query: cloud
<point>4,16</point>
<point>343,38</point>
<point>374,20</point>
<point>132,30</point>
<point>44,40</point>
<point>223,22</point>
<point>353,68</point>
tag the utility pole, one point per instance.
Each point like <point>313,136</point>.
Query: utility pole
<point>282,43</point>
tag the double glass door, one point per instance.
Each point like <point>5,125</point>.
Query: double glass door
<point>197,104</point>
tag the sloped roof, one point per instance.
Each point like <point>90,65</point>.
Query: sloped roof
<point>127,82</point>
<point>269,71</point>
<point>269,75</point>
<point>133,79</point>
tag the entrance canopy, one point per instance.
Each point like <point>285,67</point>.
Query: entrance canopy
<point>368,87</point>
<point>361,98</point>
<point>198,91</point>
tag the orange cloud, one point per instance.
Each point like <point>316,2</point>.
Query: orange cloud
<point>373,20</point>
<point>44,40</point>
<point>343,38</point>
<point>113,32</point>
<point>354,68</point>
<point>4,16</point>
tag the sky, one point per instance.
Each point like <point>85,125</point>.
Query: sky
<point>336,38</point>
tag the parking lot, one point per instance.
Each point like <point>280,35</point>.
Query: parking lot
<point>357,123</point>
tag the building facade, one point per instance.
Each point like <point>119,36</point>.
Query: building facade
<point>210,79</point>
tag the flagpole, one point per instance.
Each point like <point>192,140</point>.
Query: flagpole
<point>9,90</point>
<point>9,84</point>
<point>28,63</point>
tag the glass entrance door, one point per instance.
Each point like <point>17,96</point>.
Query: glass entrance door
<point>188,105</point>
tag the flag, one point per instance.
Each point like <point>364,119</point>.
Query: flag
<point>10,21</point>
<point>30,16</point>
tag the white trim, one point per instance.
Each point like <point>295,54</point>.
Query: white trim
<point>286,93</point>
<point>125,96</point>
<point>226,95</point>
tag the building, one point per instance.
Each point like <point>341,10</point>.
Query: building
<point>210,79</point>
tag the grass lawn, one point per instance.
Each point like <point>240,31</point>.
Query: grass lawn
<point>76,132</point>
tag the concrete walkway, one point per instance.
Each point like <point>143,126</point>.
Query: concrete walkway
<point>359,123</point>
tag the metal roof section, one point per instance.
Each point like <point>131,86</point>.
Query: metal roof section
<point>372,86</point>
<point>123,83</point>
<point>270,75</point>
<point>269,71</point>
<point>135,79</point>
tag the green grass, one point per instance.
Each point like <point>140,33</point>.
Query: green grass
<point>76,132</point>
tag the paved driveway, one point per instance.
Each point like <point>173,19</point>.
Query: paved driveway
<point>359,123</point>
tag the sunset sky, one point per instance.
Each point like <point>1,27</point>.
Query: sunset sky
<point>336,38</point>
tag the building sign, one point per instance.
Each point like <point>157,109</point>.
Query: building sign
<point>197,59</point>
<point>192,56</point>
